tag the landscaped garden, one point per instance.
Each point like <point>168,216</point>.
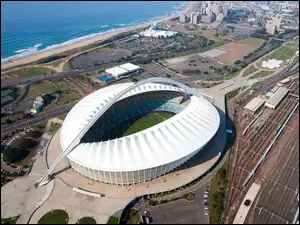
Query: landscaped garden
<point>56,216</point>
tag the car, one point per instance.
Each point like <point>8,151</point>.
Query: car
<point>206,213</point>
<point>205,195</point>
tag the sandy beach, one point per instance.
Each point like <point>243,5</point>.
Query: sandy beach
<point>46,53</point>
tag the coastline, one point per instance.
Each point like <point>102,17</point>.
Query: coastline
<point>82,43</point>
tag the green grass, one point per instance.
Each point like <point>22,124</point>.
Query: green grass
<point>86,220</point>
<point>227,77</point>
<point>147,121</point>
<point>62,116</point>
<point>209,84</point>
<point>11,220</point>
<point>262,74</point>
<point>39,89</point>
<point>54,127</point>
<point>67,95</point>
<point>67,66</point>
<point>249,70</point>
<point>32,72</point>
<point>283,53</point>
<point>56,216</point>
<point>189,196</point>
<point>113,220</point>
<point>216,196</point>
<point>134,216</point>
<point>230,95</point>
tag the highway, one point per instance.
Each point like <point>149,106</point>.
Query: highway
<point>37,118</point>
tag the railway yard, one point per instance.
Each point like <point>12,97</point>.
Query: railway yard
<point>276,130</point>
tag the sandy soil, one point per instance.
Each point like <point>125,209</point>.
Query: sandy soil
<point>39,55</point>
<point>235,51</point>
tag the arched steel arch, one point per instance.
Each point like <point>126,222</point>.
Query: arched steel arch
<point>103,108</point>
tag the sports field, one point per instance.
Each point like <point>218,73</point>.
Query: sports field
<point>147,121</point>
<point>283,53</point>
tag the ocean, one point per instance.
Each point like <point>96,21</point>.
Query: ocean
<point>28,27</point>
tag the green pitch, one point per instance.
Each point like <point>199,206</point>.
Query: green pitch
<point>283,53</point>
<point>147,121</point>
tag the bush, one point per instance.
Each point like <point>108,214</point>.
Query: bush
<point>221,173</point>
<point>14,154</point>
<point>35,134</point>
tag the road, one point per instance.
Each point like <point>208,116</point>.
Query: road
<point>36,119</point>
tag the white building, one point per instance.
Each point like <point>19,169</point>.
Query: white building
<point>182,18</point>
<point>122,70</point>
<point>277,97</point>
<point>154,31</point>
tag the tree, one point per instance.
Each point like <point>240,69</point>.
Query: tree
<point>14,154</point>
<point>221,173</point>
<point>205,72</point>
<point>35,134</point>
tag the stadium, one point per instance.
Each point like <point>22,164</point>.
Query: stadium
<point>131,133</point>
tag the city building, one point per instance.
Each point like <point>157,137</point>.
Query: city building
<point>206,18</point>
<point>192,17</point>
<point>195,19</point>
<point>154,31</point>
<point>122,70</point>
<point>182,18</point>
<point>277,97</point>
<point>91,140</point>
<point>37,105</point>
<point>271,28</point>
<point>220,17</point>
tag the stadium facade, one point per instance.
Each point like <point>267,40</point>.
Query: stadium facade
<point>98,121</point>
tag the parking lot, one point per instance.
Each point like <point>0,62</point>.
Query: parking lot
<point>181,211</point>
<point>101,56</point>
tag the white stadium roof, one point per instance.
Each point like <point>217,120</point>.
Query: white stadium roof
<point>180,136</point>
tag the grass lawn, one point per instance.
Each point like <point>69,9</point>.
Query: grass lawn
<point>54,127</point>
<point>216,196</point>
<point>86,220</point>
<point>147,121</point>
<point>67,66</point>
<point>134,216</point>
<point>227,77</point>
<point>39,89</point>
<point>249,70</point>
<point>283,53</point>
<point>62,116</point>
<point>13,117</point>
<point>262,74</point>
<point>32,72</point>
<point>230,95</point>
<point>11,220</point>
<point>67,95</point>
<point>209,84</point>
<point>56,216</point>
<point>113,220</point>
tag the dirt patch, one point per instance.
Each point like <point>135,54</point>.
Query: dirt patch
<point>237,50</point>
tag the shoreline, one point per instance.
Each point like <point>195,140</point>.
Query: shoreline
<point>38,55</point>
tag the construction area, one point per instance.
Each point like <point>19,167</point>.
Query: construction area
<point>266,152</point>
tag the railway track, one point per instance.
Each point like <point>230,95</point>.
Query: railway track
<point>247,153</point>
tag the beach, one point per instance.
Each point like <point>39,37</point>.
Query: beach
<point>82,43</point>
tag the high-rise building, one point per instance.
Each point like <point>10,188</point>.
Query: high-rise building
<point>277,21</point>
<point>206,18</point>
<point>271,28</point>
<point>203,8</point>
<point>208,9</point>
<point>220,17</point>
<point>182,18</point>
<point>195,19</point>
<point>192,17</point>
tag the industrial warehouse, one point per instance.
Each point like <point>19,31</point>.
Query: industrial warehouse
<point>98,139</point>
